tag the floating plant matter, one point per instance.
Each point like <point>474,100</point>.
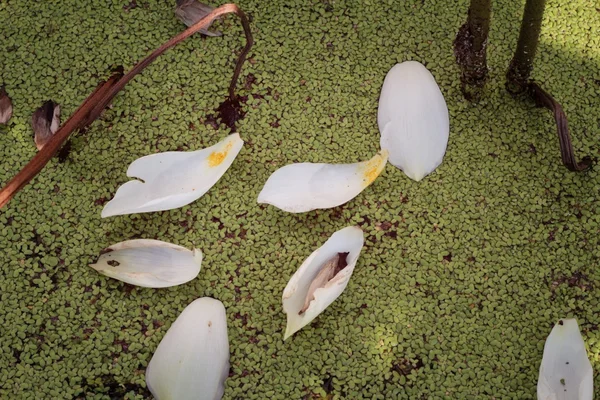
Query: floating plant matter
<point>45,122</point>
<point>192,360</point>
<point>304,187</point>
<point>321,278</point>
<point>173,179</point>
<point>149,263</point>
<point>191,11</point>
<point>6,108</point>
<point>565,371</point>
<point>413,119</point>
<point>100,98</point>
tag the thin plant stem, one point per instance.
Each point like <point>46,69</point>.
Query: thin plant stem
<point>93,106</point>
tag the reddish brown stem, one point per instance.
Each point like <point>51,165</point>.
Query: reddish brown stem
<point>93,106</point>
<point>37,163</point>
<point>544,99</point>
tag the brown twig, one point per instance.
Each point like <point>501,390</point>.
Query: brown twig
<point>545,99</point>
<point>93,106</point>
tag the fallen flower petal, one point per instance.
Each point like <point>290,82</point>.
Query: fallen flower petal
<point>6,108</point>
<point>45,121</point>
<point>321,278</point>
<point>191,11</point>
<point>149,263</point>
<point>565,371</point>
<point>413,119</point>
<point>192,360</point>
<point>173,179</point>
<point>304,187</point>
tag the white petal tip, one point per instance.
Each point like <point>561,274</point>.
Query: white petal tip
<point>304,187</point>
<point>193,356</point>
<point>565,370</point>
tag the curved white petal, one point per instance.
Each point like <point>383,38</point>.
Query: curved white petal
<point>413,119</point>
<point>304,187</point>
<point>565,371</point>
<point>348,240</point>
<point>173,179</point>
<point>149,263</point>
<point>192,360</point>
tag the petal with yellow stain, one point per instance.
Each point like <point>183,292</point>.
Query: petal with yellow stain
<point>304,187</point>
<point>173,179</point>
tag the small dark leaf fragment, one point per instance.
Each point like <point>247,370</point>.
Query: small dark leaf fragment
<point>106,250</point>
<point>64,152</point>
<point>113,263</point>
<point>230,111</point>
<point>6,108</point>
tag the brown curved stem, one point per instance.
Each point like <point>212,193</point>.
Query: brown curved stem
<point>544,99</point>
<point>93,106</point>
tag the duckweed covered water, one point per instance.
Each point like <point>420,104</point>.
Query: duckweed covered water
<point>462,276</point>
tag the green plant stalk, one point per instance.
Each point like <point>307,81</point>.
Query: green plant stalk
<point>470,48</point>
<point>522,63</point>
<point>517,81</point>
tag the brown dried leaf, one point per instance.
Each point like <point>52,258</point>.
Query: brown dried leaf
<point>6,108</point>
<point>191,11</point>
<point>45,122</point>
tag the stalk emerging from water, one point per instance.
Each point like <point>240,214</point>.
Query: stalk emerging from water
<point>470,48</point>
<point>518,81</point>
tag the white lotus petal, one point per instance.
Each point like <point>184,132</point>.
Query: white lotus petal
<point>149,263</point>
<point>348,240</point>
<point>565,371</point>
<point>413,119</point>
<point>192,360</point>
<point>304,187</point>
<point>173,179</point>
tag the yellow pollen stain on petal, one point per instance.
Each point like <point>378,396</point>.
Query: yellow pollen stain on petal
<point>372,168</point>
<point>216,157</point>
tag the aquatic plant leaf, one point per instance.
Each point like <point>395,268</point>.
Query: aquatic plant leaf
<point>149,263</point>
<point>6,108</point>
<point>565,371</point>
<point>413,119</point>
<point>191,11</point>
<point>304,187</point>
<point>192,360</point>
<point>173,179</point>
<point>321,278</point>
<point>45,121</point>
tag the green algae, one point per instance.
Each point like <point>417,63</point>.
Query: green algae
<point>462,276</point>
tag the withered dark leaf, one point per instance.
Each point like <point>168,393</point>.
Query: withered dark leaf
<point>6,108</point>
<point>191,11</point>
<point>328,271</point>
<point>45,122</point>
